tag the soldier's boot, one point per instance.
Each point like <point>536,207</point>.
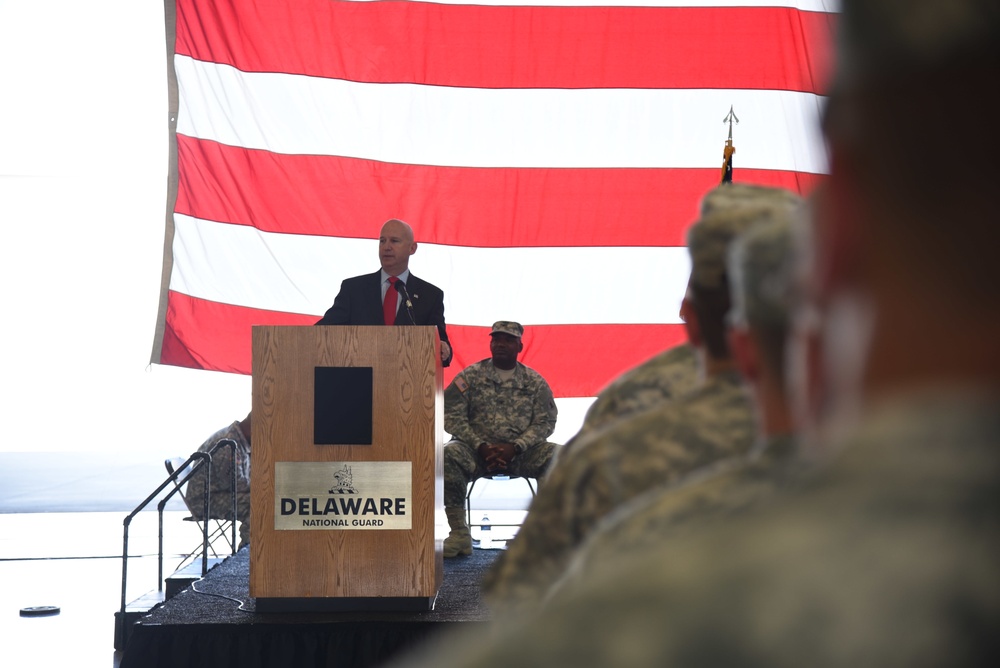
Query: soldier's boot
<point>459,541</point>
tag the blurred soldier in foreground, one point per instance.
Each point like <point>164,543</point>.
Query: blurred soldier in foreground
<point>666,376</point>
<point>499,413</point>
<point>888,555</point>
<point>674,372</point>
<point>760,276</point>
<point>654,447</point>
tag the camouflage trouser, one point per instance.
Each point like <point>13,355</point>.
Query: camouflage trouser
<point>462,465</point>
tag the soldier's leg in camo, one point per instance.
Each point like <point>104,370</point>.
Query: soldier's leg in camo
<point>461,466</point>
<point>534,462</point>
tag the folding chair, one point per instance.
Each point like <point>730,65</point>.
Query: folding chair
<point>219,528</point>
<point>497,477</point>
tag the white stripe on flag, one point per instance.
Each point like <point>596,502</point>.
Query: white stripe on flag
<point>240,265</point>
<point>473,127</point>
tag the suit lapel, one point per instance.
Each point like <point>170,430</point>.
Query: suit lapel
<point>373,297</point>
<point>413,287</point>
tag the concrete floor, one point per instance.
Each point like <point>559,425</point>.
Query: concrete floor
<point>73,561</point>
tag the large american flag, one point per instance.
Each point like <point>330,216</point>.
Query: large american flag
<point>550,158</point>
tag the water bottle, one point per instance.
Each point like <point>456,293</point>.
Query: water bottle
<point>485,534</point>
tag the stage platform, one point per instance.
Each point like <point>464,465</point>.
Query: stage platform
<point>214,623</point>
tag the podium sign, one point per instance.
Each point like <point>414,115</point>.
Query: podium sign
<point>364,495</point>
<point>358,524</point>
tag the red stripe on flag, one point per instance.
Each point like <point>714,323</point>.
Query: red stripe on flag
<point>202,334</point>
<point>575,359</point>
<point>478,46</point>
<point>551,207</point>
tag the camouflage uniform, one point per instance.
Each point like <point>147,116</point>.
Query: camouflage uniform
<point>760,281</point>
<point>659,446</point>
<point>886,557</point>
<point>674,372</point>
<point>728,487</point>
<point>666,376</point>
<point>480,407</point>
<point>632,456</point>
<point>220,499</point>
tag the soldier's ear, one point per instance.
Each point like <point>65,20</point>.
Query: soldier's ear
<point>692,327</point>
<point>839,218</point>
<point>744,353</point>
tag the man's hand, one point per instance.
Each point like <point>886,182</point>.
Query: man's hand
<point>445,351</point>
<point>497,456</point>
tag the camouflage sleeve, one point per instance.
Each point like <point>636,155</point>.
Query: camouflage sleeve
<point>543,419</point>
<point>538,554</point>
<point>456,412</point>
<point>669,375</point>
<point>535,557</point>
<point>662,514</point>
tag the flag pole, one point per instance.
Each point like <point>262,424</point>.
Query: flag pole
<point>727,152</point>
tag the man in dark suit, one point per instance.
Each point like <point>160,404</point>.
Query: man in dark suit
<point>379,299</point>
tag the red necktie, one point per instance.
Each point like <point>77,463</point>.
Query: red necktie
<point>389,303</point>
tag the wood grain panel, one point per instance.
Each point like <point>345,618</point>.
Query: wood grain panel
<point>407,426</point>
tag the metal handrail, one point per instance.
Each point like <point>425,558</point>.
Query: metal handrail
<point>225,442</point>
<point>203,457</point>
<point>207,483</point>
<point>186,470</point>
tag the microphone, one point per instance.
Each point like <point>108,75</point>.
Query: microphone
<point>401,289</point>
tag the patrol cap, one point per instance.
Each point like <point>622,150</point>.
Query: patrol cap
<point>728,216</point>
<point>507,327</point>
<point>736,195</point>
<point>761,273</point>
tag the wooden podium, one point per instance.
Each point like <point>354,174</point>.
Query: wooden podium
<point>347,489</point>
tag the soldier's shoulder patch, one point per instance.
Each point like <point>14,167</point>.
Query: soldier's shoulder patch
<point>461,384</point>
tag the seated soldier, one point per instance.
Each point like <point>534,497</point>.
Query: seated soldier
<point>220,499</point>
<point>499,413</point>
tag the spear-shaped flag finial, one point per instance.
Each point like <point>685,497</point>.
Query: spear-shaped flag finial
<point>727,152</point>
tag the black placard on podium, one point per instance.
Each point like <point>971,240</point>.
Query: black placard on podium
<point>343,405</point>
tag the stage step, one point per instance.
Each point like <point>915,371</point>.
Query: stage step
<point>133,611</point>
<point>173,585</point>
<point>182,579</point>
